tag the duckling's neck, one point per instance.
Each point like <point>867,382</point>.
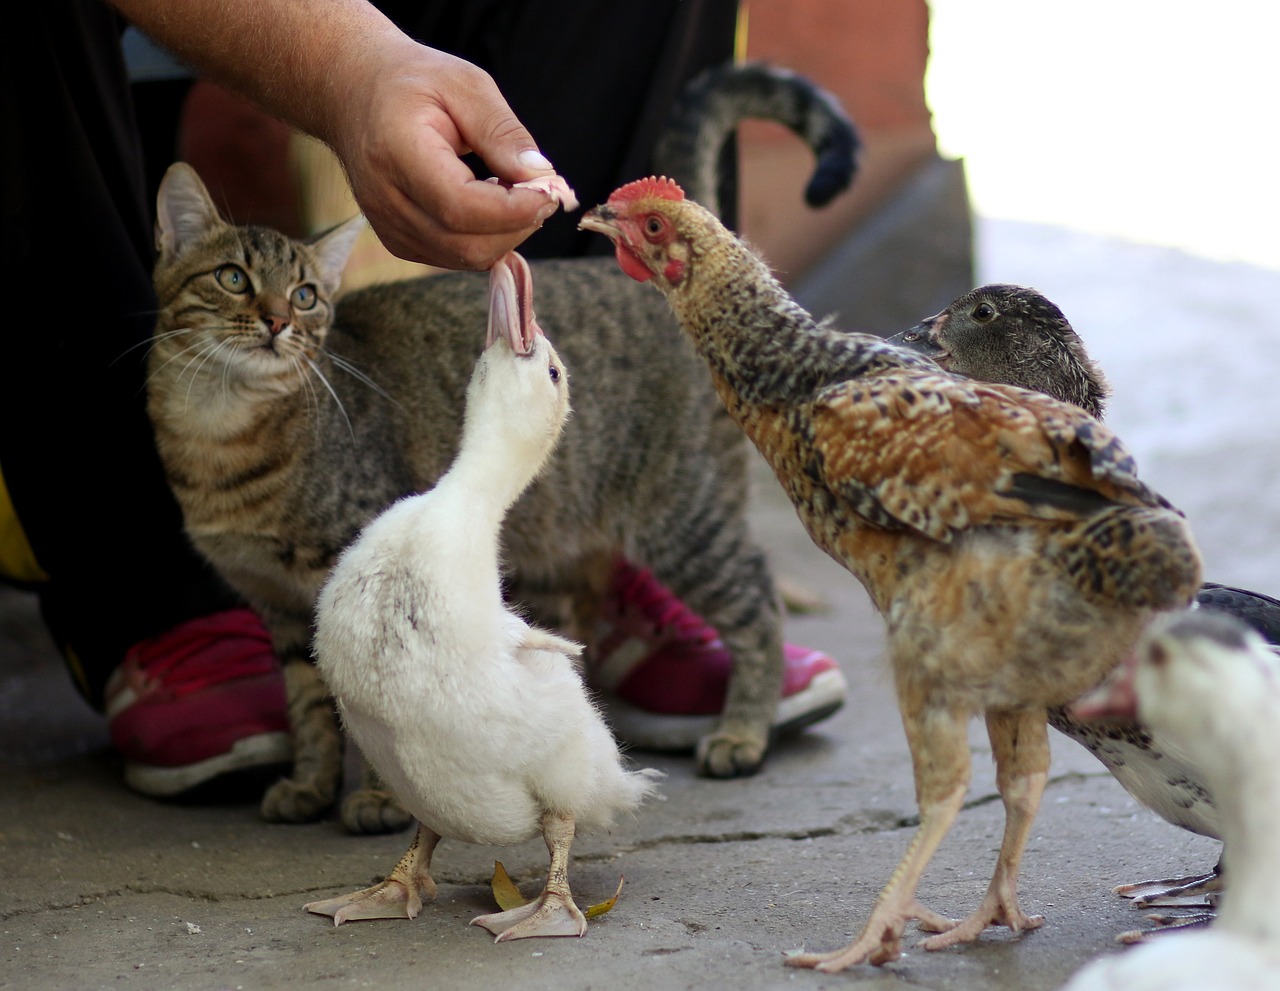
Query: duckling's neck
<point>490,476</point>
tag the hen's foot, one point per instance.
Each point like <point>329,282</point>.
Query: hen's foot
<point>997,909</point>
<point>880,941</point>
<point>553,914</point>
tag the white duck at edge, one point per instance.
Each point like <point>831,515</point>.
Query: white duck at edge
<point>1210,685</point>
<point>478,722</point>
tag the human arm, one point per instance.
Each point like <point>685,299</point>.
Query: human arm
<point>398,114</point>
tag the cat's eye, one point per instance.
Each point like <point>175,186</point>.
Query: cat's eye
<point>304,297</point>
<point>232,278</point>
<point>984,313</point>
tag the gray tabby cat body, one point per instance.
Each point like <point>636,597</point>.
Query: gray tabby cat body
<point>286,422</point>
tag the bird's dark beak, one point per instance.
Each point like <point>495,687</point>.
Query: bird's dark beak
<point>603,219</point>
<point>922,338</point>
<point>511,305</point>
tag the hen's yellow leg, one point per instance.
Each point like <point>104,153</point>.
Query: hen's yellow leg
<point>940,759</point>
<point>1020,745</point>
<point>400,896</point>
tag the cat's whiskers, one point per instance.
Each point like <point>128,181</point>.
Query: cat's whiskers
<point>351,369</point>
<point>325,382</point>
<point>181,353</point>
<point>200,360</point>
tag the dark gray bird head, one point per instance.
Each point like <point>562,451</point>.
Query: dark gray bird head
<point>1015,336</point>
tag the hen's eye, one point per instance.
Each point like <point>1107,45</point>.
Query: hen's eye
<point>304,297</point>
<point>984,312</point>
<point>232,278</point>
<point>653,227</point>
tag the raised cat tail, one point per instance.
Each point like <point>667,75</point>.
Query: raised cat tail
<point>712,105</point>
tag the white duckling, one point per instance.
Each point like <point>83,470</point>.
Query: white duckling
<point>478,722</point>
<point>1209,685</point>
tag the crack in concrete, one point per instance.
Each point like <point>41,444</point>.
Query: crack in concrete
<point>858,823</point>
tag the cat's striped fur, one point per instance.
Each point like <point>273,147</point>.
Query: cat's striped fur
<point>281,446</point>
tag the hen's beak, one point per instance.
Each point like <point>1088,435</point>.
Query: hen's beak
<point>603,219</point>
<point>922,338</point>
<point>511,305</point>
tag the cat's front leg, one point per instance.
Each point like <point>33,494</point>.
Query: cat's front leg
<point>372,809</point>
<point>317,749</point>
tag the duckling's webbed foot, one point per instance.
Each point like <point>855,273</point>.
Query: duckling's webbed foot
<point>553,913</point>
<point>400,896</point>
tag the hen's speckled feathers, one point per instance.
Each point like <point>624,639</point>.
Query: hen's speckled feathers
<point>1005,537</point>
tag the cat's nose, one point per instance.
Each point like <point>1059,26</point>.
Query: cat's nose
<point>275,314</point>
<point>276,322</point>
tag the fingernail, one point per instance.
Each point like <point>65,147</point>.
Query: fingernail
<point>531,158</point>
<point>547,211</point>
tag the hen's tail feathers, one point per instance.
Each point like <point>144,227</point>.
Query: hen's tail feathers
<point>1134,556</point>
<point>709,110</point>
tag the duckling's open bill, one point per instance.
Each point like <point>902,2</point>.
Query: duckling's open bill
<point>511,305</point>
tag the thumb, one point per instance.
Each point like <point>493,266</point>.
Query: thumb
<point>509,150</point>
<point>491,129</point>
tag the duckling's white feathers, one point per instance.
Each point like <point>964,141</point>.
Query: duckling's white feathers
<point>1211,685</point>
<point>478,722</point>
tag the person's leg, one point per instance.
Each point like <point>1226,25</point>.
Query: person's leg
<point>77,454</point>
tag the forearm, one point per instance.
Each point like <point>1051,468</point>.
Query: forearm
<point>397,113</point>
<point>302,60</point>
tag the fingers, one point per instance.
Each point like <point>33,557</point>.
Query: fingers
<point>401,152</point>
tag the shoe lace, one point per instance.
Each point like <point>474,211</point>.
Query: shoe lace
<point>641,597</point>
<point>206,650</point>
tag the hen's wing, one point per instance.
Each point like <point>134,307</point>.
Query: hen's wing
<point>936,454</point>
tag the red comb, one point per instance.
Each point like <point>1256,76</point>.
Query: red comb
<point>663,188</point>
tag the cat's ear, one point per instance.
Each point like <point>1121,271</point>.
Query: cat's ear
<point>333,247</point>
<point>184,210</point>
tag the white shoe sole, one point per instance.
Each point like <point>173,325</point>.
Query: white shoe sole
<point>645,730</point>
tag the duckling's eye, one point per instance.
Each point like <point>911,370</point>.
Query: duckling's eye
<point>984,313</point>
<point>911,336</point>
<point>554,372</point>
<point>304,297</point>
<point>232,278</point>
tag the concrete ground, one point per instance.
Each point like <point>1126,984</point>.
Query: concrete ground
<point>103,888</point>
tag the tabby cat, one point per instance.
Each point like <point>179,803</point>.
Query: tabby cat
<point>286,421</point>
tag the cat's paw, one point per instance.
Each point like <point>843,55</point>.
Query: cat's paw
<point>370,811</point>
<point>731,754</point>
<point>296,801</point>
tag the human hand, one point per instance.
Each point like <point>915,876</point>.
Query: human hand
<point>399,135</point>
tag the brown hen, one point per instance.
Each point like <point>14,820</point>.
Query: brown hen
<point>1005,537</point>
<point>1017,336</point>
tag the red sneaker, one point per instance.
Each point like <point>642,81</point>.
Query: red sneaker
<point>665,672</point>
<point>198,701</point>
